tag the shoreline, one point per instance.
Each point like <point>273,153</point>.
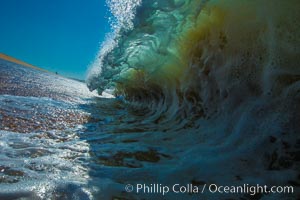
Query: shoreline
<point>20,62</point>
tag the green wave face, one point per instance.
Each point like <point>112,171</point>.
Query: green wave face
<point>200,52</point>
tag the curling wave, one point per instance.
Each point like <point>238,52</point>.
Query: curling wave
<point>200,56</point>
<point>220,82</point>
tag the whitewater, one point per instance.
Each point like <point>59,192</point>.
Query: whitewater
<point>190,92</point>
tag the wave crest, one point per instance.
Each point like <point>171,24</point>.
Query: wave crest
<point>203,56</point>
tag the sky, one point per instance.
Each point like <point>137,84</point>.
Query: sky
<point>61,36</point>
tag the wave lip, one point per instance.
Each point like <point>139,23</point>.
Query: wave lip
<point>123,13</point>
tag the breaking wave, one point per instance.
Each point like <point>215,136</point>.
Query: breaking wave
<point>208,91</point>
<point>220,78</point>
<point>199,51</point>
<point>203,56</point>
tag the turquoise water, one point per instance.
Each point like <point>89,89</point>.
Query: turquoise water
<point>192,92</point>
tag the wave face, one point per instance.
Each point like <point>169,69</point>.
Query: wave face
<point>201,55</point>
<point>220,81</point>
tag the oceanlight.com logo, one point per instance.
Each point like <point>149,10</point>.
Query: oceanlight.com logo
<point>211,188</point>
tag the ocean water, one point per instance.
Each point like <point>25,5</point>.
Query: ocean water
<point>218,83</point>
<point>190,92</point>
